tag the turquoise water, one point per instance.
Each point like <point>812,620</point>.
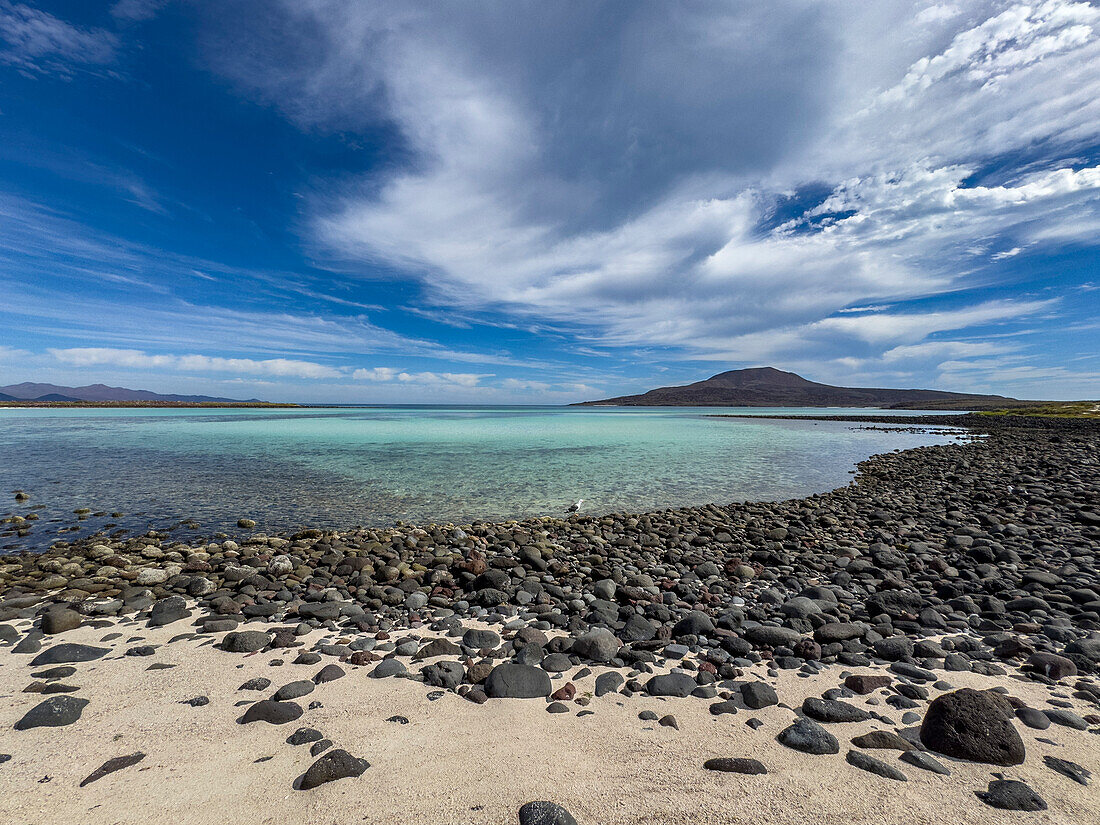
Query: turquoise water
<point>373,466</point>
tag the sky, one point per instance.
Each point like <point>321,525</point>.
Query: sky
<point>547,202</point>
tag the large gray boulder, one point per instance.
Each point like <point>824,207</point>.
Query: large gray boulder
<point>510,681</point>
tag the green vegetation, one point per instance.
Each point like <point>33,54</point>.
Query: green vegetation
<point>1054,409</point>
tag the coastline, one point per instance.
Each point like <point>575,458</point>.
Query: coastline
<point>938,568</point>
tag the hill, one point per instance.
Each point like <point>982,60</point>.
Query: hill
<point>98,393</point>
<point>769,387</point>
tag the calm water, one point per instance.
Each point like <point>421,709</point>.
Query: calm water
<point>343,467</point>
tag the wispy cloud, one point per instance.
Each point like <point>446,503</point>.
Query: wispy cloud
<point>686,267</point>
<point>36,42</point>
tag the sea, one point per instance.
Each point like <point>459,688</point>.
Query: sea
<point>197,471</point>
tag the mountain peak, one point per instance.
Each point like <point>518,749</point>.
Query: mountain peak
<point>771,387</point>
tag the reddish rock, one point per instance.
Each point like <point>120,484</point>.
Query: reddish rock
<point>565,693</point>
<point>864,684</point>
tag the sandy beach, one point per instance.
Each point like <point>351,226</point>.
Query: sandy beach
<point>459,762</point>
<point>455,674</point>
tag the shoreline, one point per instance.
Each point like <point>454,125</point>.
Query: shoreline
<point>937,568</point>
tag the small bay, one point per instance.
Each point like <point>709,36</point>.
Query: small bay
<point>337,467</point>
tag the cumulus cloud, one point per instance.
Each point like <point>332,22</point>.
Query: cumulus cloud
<point>460,379</point>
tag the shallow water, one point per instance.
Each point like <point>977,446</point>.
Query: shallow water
<point>371,466</point>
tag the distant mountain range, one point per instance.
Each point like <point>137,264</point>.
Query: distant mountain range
<point>769,387</point>
<point>104,394</point>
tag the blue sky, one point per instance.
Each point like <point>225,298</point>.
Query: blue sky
<point>546,202</point>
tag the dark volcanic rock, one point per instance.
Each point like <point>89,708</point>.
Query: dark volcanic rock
<point>509,681</point>
<point>875,766</point>
<point>863,684</point>
<point>304,736</point>
<point>758,695</point>
<point>598,645</point>
<point>608,682</point>
<point>832,710</point>
<point>245,641</point>
<point>809,737</point>
<point>671,684</point>
<point>1052,666</point>
<point>545,813</point>
<point>294,690</point>
<point>68,652</point>
<point>882,740</point>
<point>329,673</point>
<point>335,764</point>
<point>168,610</point>
<point>275,713</point>
<point>1011,795</point>
<point>112,765</point>
<point>1033,718</point>
<point>60,619</point>
<point>733,764</point>
<point>54,712</point>
<point>1068,769</point>
<point>925,761</point>
<point>974,725</point>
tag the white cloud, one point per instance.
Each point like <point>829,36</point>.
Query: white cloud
<point>37,42</point>
<point>137,359</point>
<point>134,11</point>
<point>375,374</point>
<point>571,198</point>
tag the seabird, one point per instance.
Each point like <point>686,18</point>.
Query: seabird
<point>572,508</point>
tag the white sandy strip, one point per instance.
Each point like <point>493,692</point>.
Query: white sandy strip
<point>457,762</point>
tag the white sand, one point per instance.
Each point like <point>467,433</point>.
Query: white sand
<point>457,762</point>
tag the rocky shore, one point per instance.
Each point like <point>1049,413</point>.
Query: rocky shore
<point>928,635</point>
